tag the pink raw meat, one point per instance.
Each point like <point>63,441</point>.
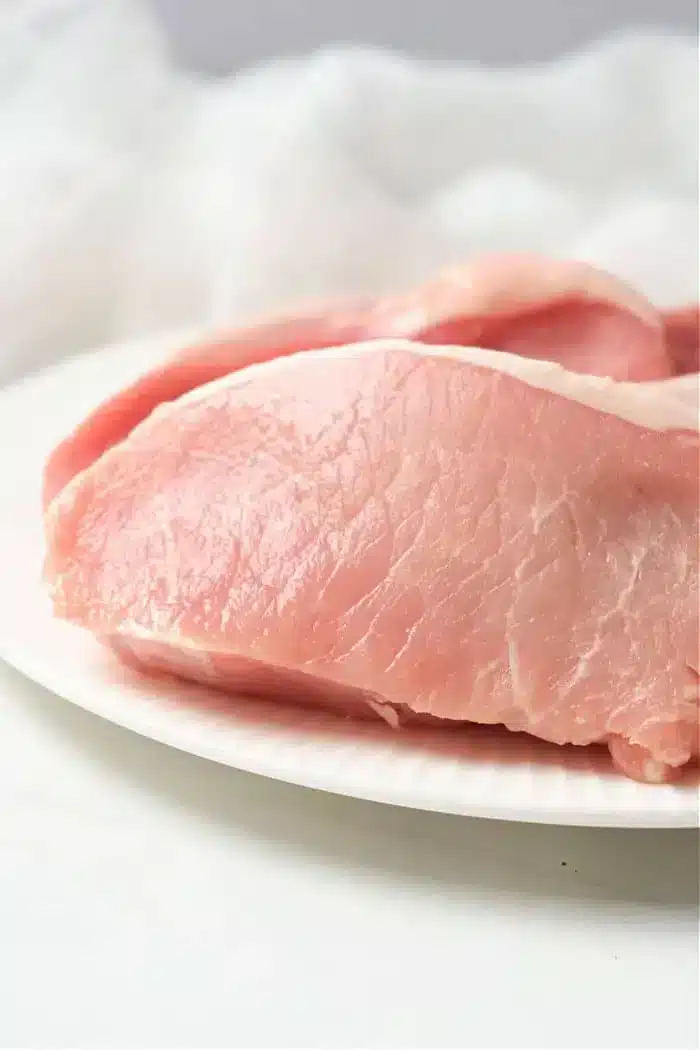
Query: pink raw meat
<point>535,307</point>
<point>682,328</point>
<point>414,530</point>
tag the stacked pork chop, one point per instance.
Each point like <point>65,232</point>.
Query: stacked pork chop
<point>475,503</point>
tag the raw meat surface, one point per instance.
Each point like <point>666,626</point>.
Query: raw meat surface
<point>528,305</point>
<point>683,339</point>
<point>467,535</point>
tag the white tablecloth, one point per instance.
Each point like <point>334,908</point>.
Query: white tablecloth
<point>148,898</point>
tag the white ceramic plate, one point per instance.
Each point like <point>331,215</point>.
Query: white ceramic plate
<point>473,771</point>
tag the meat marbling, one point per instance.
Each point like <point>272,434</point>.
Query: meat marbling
<point>471,535</point>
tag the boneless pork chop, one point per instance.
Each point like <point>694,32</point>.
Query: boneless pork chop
<point>410,529</point>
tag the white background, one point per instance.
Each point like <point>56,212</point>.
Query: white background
<point>148,898</point>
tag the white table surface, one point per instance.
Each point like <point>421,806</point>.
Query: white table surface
<point>148,898</point>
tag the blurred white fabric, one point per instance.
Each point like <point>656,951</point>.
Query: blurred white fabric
<point>136,197</point>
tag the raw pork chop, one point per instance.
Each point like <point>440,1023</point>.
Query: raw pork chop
<point>535,307</point>
<point>463,534</point>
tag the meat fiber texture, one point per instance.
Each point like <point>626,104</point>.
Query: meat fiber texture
<point>418,531</point>
<point>136,197</point>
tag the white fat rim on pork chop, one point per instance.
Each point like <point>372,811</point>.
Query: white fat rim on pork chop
<point>666,404</point>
